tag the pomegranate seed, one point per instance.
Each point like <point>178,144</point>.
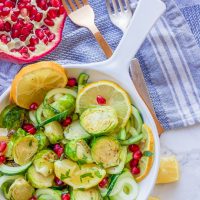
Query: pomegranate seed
<point>55,3</point>
<point>38,17</point>
<point>5,11</point>
<point>135,170</point>
<point>33,198</point>
<point>45,40</point>
<point>22,38</point>
<point>61,10</point>
<point>20,21</point>
<point>29,26</point>
<point>52,13</point>
<point>52,37</point>
<point>134,163</point>
<point>1,6</point>
<point>1,25</point>
<point>67,121</point>
<point>31,48</point>
<point>18,26</point>
<point>5,39</point>
<point>7,26</point>
<point>103,183</point>
<point>39,33</point>
<point>48,22</point>
<point>16,11</point>
<point>15,33</point>
<point>25,55</point>
<point>101,100</point>
<point>24,12</point>
<point>21,5</point>
<point>71,82</point>
<point>34,40</point>
<point>14,17</point>
<point>3,146</point>
<point>133,147</point>
<point>33,106</point>
<point>58,182</point>
<point>42,4</point>
<point>2,159</point>
<point>58,149</point>
<point>25,31</point>
<point>33,11</point>
<point>9,4</point>
<point>29,128</point>
<point>137,155</point>
<point>65,196</point>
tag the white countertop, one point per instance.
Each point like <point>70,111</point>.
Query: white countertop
<point>185,145</point>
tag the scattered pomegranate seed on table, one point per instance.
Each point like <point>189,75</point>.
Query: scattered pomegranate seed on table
<point>100,100</point>
<point>137,155</point>
<point>72,82</point>
<point>133,147</point>
<point>33,106</point>
<point>65,196</point>
<point>67,121</point>
<point>30,128</point>
<point>58,182</point>
<point>2,159</point>
<point>3,146</point>
<point>135,170</point>
<point>103,183</point>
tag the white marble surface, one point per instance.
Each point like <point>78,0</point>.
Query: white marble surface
<point>185,145</point>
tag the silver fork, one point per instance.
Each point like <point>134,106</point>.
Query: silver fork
<point>120,13</point>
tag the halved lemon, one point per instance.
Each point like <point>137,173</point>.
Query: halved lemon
<point>33,82</point>
<point>147,147</point>
<point>114,95</point>
<point>169,170</point>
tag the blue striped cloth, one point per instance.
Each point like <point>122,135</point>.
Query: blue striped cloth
<point>170,58</point>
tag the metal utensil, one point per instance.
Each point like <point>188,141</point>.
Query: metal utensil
<point>121,17</point>
<point>82,14</point>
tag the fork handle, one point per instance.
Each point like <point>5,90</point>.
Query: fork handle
<point>102,42</point>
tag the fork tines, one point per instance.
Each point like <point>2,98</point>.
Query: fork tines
<point>117,6</point>
<point>72,5</point>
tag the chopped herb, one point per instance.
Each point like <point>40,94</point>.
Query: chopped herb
<point>148,153</point>
<point>86,175</point>
<point>64,176</point>
<point>97,173</point>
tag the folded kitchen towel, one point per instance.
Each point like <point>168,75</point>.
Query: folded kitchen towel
<point>170,58</point>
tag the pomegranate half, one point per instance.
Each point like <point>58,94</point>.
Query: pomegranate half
<point>29,29</point>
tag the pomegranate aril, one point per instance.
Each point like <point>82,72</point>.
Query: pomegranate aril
<point>3,146</point>
<point>103,183</point>
<point>25,31</point>
<point>33,11</point>
<point>15,33</point>
<point>58,149</point>
<point>52,13</point>
<point>39,33</point>
<point>49,22</point>
<point>58,182</point>
<point>1,25</point>
<point>7,26</point>
<point>45,40</point>
<point>5,11</point>
<point>133,147</point>
<point>135,170</point>
<point>38,17</point>
<point>29,26</point>
<point>1,6</point>
<point>33,106</point>
<point>2,159</point>
<point>21,5</point>
<point>133,163</point>
<point>25,55</point>
<point>33,198</point>
<point>31,48</point>
<point>55,3</point>
<point>5,39</point>
<point>62,10</point>
<point>9,4</point>
<point>22,38</point>
<point>23,50</point>
<point>65,196</point>
<point>71,82</point>
<point>16,11</point>
<point>67,121</point>
<point>14,17</point>
<point>100,100</point>
<point>137,155</point>
<point>29,128</point>
<point>52,37</point>
<point>34,40</point>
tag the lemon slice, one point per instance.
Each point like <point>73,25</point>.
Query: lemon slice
<point>78,177</point>
<point>114,95</point>
<point>153,198</point>
<point>169,170</point>
<point>146,146</point>
<point>33,82</point>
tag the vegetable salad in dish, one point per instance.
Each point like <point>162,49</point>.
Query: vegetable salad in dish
<point>80,140</point>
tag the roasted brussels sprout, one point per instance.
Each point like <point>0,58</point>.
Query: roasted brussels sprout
<point>89,194</point>
<point>99,120</point>
<point>106,151</point>
<point>54,132</point>
<point>43,141</point>
<point>37,180</point>
<point>48,194</point>
<point>79,151</point>
<point>24,148</point>
<point>20,190</point>
<point>44,162</point>
<point>12,117</point>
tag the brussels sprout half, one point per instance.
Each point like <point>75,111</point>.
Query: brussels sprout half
<point>43,141</point>
<point>12,117</point>
<point>48,194</point>
<point>54,132</point>
<point>44,162</point>
<point>24,148</point>
<point>37,180</point>
<point>20,190</point>
<point>106,151</point>
<point>79,151</point>
<point>89,194</point>
<point>99,120</point>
